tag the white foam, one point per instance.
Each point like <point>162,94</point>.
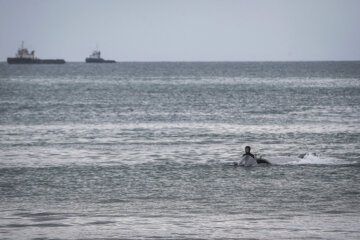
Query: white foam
<point>308,158</point>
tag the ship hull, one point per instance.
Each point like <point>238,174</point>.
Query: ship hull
<point>98,60</point>
<point>34,61</point>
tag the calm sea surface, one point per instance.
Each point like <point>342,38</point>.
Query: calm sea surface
<point>145,151</point>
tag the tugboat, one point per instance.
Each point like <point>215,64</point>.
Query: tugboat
<point>95,58</point>
<point>24,57</point>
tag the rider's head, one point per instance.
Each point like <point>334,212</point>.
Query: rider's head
<point>247,149</point>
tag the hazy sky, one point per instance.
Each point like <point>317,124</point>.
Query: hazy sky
<point>183,30</point>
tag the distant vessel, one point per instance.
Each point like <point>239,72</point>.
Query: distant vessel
<point>95,58</point>
<point>24,57</point>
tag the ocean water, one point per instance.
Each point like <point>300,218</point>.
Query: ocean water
<point>146,150</point>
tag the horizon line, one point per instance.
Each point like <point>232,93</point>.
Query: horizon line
<point>212,61</point>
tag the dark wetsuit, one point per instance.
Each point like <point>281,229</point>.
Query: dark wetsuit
<point>258,160</point>
<point>249,154</point>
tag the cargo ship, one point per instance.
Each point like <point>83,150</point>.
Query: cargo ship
<point>24,57</point>
<point>95,58</point>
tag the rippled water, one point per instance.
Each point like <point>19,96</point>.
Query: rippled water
<point>145,150</point>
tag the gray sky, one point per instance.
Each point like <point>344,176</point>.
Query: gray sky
<point>183,30</point>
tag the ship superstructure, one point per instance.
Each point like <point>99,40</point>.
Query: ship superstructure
<point>24,53</point>
<point>95,55</point>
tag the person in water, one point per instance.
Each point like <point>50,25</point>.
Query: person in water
<point>247,152</point>
<point>246,161</point>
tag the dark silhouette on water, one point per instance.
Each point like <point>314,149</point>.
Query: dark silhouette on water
<point>23,56</point>
<point>95,57</point>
